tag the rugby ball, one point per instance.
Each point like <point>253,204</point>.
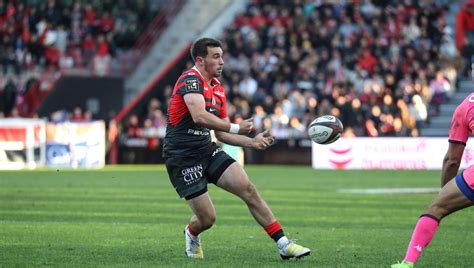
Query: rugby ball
<point>325,129</point>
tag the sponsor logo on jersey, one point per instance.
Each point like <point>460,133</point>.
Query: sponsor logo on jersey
<point>216,151</point>
<point>192,85</point>
<point>192,174</point>
<point>219,93</point>
<point>198,132</point>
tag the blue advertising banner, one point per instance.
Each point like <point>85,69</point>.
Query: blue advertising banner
<point>75,144</point>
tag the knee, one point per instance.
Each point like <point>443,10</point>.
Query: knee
<point>249,192</point>
<point>208,221</point>
<point>249,189</point>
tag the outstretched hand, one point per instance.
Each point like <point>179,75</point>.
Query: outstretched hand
<point>263,140</point>
<point>246,126</point>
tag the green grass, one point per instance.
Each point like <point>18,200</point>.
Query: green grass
<point>131,216</point>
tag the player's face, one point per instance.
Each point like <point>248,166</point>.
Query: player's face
<point>214,62</point>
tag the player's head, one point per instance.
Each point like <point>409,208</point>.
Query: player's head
<point>207,54</point>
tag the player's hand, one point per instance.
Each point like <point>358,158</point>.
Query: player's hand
<point>263,140</point>
<point>246,126</point>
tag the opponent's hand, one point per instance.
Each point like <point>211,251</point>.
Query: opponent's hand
<point>246,126</point>
<point>263,140</point>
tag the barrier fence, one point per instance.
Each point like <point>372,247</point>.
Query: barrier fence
<point>32,143</point>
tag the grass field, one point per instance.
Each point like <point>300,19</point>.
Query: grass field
<point>131,216</point>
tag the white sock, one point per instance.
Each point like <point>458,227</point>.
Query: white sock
<point>283,241</point>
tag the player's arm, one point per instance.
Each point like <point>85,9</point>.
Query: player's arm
<point>461,124</point>
<point>197,108</point>
<point>260,142</point>
<point>451,161</point>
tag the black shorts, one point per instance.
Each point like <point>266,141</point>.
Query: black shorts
<point>190,175</point>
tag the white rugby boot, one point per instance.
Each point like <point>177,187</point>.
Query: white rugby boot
<point>289,249</point>
<point>193,245</point>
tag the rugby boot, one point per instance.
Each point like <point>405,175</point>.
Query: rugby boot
<point>193,245</point>
<point>293,250</point>
<point>403,264</point>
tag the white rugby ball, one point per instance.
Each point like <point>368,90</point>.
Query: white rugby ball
<point>325,129</point>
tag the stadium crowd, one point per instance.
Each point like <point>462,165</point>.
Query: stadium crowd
<point>39,39</point>
<point>383,67</point>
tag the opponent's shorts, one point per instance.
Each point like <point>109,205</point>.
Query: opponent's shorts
<point>190,175</point>
<point>465,182</point>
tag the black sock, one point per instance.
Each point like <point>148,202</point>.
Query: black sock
<point>277,235</point>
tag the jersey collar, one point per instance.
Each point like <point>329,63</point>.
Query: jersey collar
<point>214,81</point>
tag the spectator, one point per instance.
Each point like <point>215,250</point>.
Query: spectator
<point>77,114</point>
<point>418,111</point>
<point>467,52</point>
<point>439,88</point>
<point>9,96</point>
<point>467,21</point>
<point>106,23</point>
<point>132,127</point>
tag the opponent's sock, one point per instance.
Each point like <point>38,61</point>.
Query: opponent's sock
<point>275,231</point>
<point>191,231</point>
<point>424,231</point>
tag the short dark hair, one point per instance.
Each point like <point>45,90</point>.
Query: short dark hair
<point>200,46</point>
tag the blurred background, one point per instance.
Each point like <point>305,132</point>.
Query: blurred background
<point>87,83</point>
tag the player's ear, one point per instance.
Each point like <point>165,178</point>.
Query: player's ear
<point>199,60</point>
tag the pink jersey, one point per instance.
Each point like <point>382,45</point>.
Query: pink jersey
<point>462,123</point>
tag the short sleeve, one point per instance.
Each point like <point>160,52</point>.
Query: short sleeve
<point>460,128</point>
<point>470,118</point>
<point>189,84</point>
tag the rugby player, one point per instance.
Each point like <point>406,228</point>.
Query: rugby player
<point>198,105</point>
<point>455,194</point>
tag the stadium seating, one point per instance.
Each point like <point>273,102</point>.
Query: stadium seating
<point>382,67</point>
<point>44,39</point>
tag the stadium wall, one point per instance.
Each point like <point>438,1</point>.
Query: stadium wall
<point>100,95</point>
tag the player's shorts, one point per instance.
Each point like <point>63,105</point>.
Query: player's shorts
<point>190,175</point>
<point>465,182</point>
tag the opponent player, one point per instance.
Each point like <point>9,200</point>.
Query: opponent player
<point>456,194</point>
<point>198,105</point>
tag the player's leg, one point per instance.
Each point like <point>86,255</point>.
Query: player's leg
<point>235,180</point>
<point>189,181</point>
<point>204,213</point>
<point>455,195</point>
<point>203,219</point>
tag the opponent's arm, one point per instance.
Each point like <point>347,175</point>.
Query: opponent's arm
<point>197,108</point>
<point>451,162</point>
<point>260,142</point>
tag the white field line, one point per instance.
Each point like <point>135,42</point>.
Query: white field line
<point>390,191</point>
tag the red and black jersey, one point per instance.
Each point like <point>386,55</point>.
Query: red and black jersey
<point>183,136</point>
